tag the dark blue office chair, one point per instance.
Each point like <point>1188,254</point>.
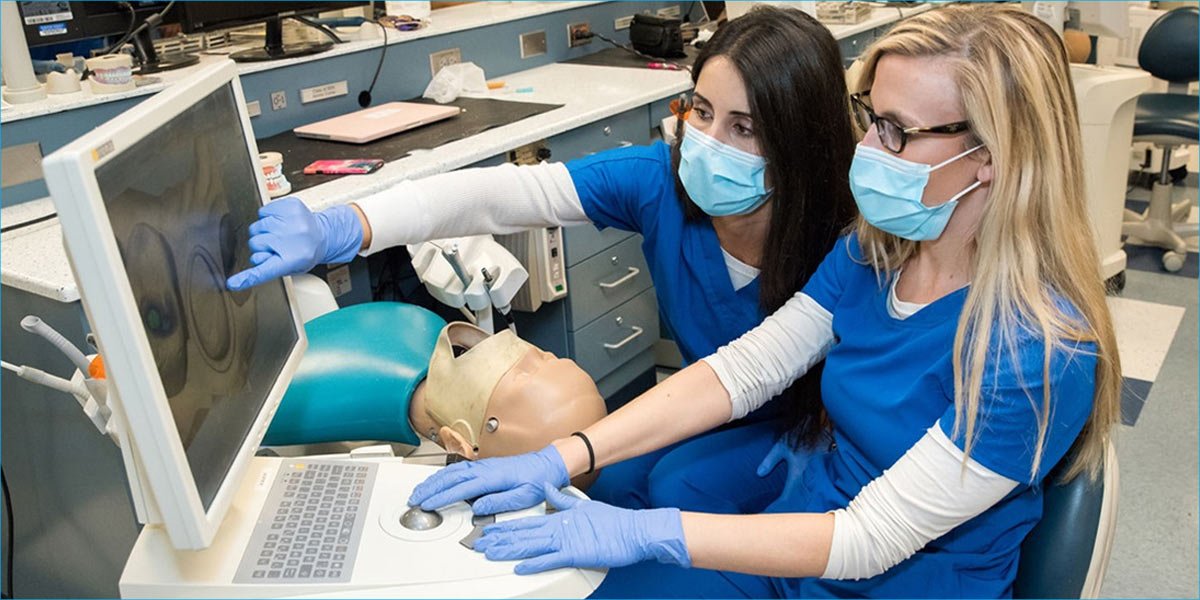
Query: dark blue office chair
<point>1066,554</point>
<point>1168,51</point>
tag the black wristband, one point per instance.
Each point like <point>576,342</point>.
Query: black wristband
<point>591,452</point>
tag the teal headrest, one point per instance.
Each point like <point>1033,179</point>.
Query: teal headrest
<point>357,376</point>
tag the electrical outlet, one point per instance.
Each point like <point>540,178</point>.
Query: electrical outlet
<point>623,22</point>
<point>444,58</point>
<point>578,34</point>
<point>253,109</point>
<point>533,44</point>
<point>278,100</point>
<point>670,12</point>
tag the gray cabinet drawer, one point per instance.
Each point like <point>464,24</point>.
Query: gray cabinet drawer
<point>606,280</point>
<point>629,128</point>
<point>618,336</point>
<point>584,241</point>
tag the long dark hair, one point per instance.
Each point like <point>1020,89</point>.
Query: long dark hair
<point>792,68</point>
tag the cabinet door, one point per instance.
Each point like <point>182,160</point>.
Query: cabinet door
<point>629,128</point>
<point>605,281</point>
<point>618,336</point>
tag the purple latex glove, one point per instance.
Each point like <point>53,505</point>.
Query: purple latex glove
<point>587,534</point>
<point>288,239</point>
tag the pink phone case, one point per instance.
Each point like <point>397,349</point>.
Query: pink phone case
<point>358,166</point>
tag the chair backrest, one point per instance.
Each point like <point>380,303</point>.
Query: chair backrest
<point>1170,47</point>
<point>1066,554</point>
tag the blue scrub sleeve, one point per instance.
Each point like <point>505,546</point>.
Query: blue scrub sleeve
<point>620,187</point>
<point>1006,428</point>
<point>828,282</point>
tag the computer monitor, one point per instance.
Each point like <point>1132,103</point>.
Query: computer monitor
<point>50,23</point>
<point>155,207</point>
<point>199,17</point>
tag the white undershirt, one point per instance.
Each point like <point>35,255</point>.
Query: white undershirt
<point>897,308</point>
<point>497,200</point>
<point>740,273</point>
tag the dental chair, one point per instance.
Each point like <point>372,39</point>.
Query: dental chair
<point>1066,554</point>
<point>1168,120</point>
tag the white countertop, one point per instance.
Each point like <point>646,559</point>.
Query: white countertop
<point>32,257</point>
<point>444,21</point>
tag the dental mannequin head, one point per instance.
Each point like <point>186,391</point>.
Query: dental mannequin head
<point>498,395</point>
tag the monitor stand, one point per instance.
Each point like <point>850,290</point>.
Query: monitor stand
<point>151,62</point>
<point>274,48</point>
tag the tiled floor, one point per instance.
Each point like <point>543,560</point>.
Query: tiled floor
<point>1155,551</point>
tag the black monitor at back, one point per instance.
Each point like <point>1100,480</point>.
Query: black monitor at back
<point>198,17</point>
<point>48,23</point>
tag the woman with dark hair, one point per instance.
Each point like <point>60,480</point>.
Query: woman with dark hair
<point>735,218</point>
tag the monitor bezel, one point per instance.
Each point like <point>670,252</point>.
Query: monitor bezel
<point>104,289</point>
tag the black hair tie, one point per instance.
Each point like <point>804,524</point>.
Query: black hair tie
<point>591,452</point>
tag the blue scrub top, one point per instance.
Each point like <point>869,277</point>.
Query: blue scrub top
<point>634,189</point>
<point>886,381</point>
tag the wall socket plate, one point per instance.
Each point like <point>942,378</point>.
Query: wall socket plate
<point>278,100</point>
<point>443,58</point>
<point>623,22</point>
<point>533,44</point>
<point>575,30</point>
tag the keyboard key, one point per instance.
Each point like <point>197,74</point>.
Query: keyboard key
<point>335,565</point>
<point>289,573</point>
<point>335,574</point>
<point>262,562</point>
<point>306,571</point>
<point>273,574</point>
<point>272,536</point>
<point>277,565</point>
<point>319,573</point>
<point>259,574</point>
<point>293,563</point>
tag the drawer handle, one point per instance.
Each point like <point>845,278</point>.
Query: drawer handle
<point>633,272</point>
<point>637,331</point>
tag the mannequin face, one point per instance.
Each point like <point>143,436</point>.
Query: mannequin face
<point>540,398</point>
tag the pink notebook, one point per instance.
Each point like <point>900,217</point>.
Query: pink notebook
<point>370,124</point>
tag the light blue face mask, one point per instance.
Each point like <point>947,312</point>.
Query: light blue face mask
<point>720,179</point>
<point>888,191</point>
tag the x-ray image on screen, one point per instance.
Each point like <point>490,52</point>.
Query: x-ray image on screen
<point>180,202</point>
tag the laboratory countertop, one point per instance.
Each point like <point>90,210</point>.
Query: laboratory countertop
<point>32,257</point>
<point>446,20</point>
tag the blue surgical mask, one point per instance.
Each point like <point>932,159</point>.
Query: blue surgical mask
<point>720,179</point>
<point>888,190</point>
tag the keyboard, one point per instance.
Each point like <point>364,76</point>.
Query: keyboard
<point>310,526</point>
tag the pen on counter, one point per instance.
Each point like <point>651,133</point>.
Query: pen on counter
<point>665,66</point>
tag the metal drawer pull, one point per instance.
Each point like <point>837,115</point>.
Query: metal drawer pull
<point>637,331</point>
<point>633,272</point>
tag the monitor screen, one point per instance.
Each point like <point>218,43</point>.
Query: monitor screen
<point>206,16</point>
<point>180,201</point>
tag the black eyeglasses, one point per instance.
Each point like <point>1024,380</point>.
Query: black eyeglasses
<point>891,134</point>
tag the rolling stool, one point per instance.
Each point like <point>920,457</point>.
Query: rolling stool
<point>1168,51</point>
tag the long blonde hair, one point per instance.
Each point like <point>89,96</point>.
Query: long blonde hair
<point>1032,245</point>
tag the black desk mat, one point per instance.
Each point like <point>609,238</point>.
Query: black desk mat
<point>619,57</point>
<point>480,114</point>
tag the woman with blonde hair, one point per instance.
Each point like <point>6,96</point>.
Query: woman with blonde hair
<point>967,341</point>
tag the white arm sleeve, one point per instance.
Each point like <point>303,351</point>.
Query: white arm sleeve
<point>925,494</point>
<point>759,365</point>
<point>501,199</point>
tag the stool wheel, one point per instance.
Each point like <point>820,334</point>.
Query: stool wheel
<point>1173,261</point>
